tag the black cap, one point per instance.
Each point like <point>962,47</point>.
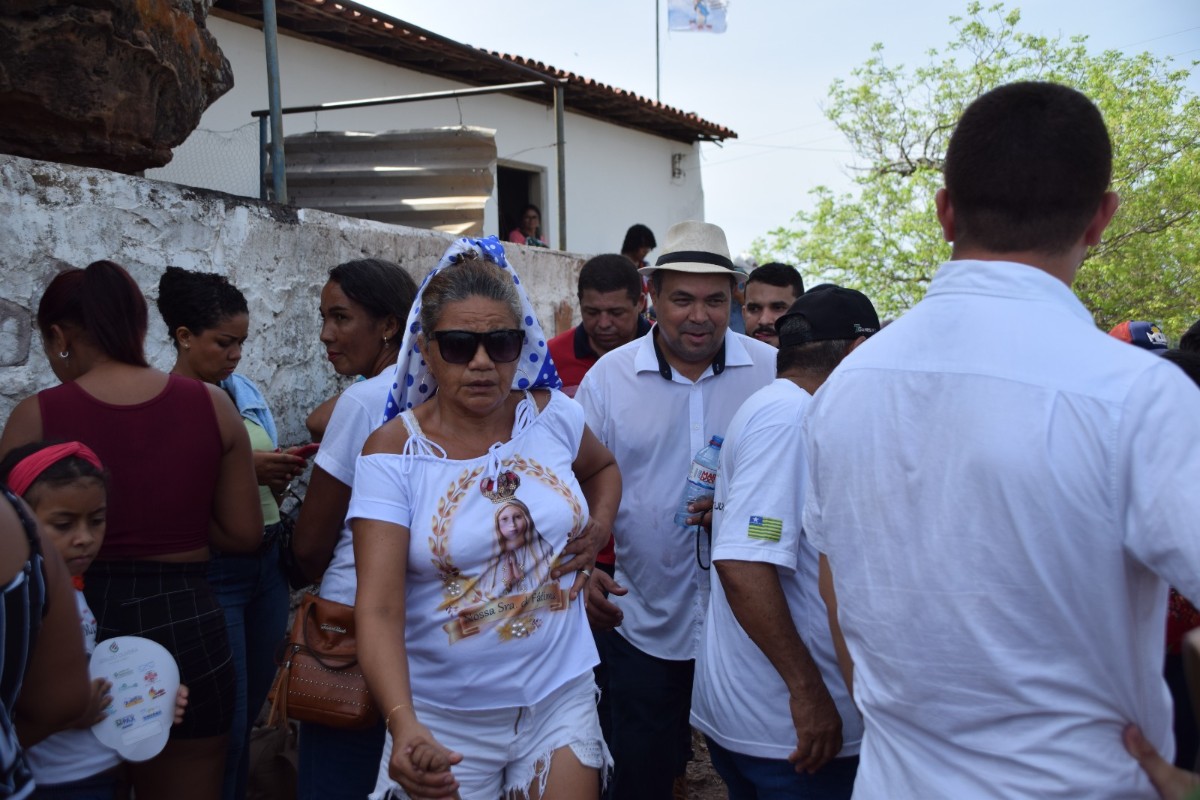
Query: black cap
<point>833,312</point>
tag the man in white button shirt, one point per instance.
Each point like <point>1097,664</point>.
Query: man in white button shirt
<point>654,403</point>
<point>999,489</point>
<point>768,694</point>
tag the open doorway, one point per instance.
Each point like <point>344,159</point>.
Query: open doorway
<point>516,188</point>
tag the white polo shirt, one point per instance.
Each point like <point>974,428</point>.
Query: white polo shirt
<point>654,425</point>
<point>1001,490</point>
<point>738,698</point>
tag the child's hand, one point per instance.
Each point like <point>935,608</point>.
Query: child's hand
<point>420,764</point>
<point>97,702</point>
<point>430,757</point>
<point>181,697</point>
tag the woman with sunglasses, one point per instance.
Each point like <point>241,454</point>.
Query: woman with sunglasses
<point>487,692</point>
<point>363,306</point>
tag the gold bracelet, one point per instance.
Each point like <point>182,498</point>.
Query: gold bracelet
<point>387,721</point>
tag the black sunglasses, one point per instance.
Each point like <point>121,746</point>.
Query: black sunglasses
<point>459,347</point>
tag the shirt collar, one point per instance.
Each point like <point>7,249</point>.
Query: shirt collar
<point>1005,279</point>
<point>583,347</point>
<point>650,358</point>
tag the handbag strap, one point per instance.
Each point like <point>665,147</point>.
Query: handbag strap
<point>278,715</point>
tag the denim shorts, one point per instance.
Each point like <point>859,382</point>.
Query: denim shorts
<point>506,750</point>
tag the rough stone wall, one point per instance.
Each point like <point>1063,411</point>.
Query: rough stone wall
<point>106,83</point>
<point>54,216</point>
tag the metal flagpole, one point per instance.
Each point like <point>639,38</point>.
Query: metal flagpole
<point>657,54</point>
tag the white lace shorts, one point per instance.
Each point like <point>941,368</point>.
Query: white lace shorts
<point>506,750</point>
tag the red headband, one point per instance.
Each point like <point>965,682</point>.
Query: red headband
<point>31,466</point>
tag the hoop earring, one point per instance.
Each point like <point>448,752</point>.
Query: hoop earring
<point>64,354</point>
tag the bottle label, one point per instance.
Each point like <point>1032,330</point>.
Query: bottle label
<point>702,476</point>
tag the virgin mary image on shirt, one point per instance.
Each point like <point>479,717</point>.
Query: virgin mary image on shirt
<point>522,558</point>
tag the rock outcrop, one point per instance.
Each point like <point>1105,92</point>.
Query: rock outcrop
<point>105,83</point>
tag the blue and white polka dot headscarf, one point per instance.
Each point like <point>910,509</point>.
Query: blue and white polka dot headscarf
<point>415,383</point>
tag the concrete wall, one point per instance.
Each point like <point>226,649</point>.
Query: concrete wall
<point>615,176</point>
<point>56,216</point>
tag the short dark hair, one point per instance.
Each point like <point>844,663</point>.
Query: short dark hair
<point>1186,360</point>
<point>105,303</point>
<point>817,358</point>
<point>776,274</point>
<point>1191,338</point>
<point>638,236</point>
<point>60,473</point>
<point>1026,168</point>
<point>382,287</point>
<point>611,272</point>
<point>197,301</point>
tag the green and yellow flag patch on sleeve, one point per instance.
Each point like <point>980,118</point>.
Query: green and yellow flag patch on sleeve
<point>765,528</point>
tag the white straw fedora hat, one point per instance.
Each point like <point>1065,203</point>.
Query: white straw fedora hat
<point>695,247</point>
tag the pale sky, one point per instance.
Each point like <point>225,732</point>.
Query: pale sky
<point>768,76</point>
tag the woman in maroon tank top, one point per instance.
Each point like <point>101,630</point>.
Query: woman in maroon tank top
<point>182,480</point>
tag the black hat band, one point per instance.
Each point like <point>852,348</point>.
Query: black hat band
<point>695,257</point>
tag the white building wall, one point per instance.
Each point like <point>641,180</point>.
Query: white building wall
<point>616,176</point>
<point>59,216</point>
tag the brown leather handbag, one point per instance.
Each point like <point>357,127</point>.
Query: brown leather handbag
<point>319,678</point>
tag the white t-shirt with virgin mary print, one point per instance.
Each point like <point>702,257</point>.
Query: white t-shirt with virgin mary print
<point>485,627</point>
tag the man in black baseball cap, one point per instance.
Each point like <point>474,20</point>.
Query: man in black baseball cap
<point>764,581</point>
<point>828,313</point>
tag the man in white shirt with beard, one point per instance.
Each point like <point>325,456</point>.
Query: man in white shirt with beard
<point>654,403</point>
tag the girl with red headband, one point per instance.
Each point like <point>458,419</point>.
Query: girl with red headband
<point>66,488</point>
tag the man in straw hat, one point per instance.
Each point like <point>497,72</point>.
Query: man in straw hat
<point>655,402</point>
<point>998,489</point>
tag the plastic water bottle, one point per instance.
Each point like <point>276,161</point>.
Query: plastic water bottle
<point>701,479</point>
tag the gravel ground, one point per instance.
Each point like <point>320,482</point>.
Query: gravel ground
<point>703,781</point>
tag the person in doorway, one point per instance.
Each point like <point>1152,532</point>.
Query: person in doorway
<point>529,228</point>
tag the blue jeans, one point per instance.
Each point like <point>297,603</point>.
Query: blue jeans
<point>337,764</point>
<point>252,592</point>
<point>650,699</point>
<point>754,778</point>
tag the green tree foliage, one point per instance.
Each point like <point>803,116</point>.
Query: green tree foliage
<point>883,237</point>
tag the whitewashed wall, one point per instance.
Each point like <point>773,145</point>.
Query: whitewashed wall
<point>615,176</point>
<point>56,216</point>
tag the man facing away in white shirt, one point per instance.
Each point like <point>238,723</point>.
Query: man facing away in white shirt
<point>1000,491</point>
<point>768,694</point>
